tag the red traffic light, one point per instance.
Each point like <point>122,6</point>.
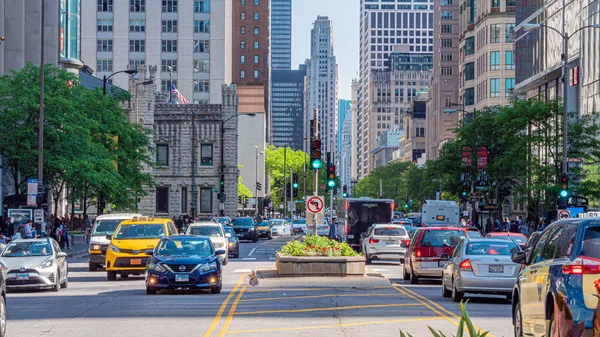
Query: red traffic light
<point>331,168</point>
<point>564,179</point>
<point>316,143</point>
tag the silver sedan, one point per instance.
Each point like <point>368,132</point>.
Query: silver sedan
<point>35,263</point>
<point>481,266</point>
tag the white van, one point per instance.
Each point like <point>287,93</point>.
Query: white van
<point>104,225</point>
<point>440,213</point>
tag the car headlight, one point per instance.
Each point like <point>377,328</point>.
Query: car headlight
<point>114,248</point>
<point>156,267</point>
<point>218,244</point>
<point>96,247</point>
<point>208,266</point>
<point>48,263</point>
<point>231,244</point>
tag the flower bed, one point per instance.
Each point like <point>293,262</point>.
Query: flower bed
<point>317,246</point>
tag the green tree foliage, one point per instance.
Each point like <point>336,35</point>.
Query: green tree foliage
<point>392,183</point>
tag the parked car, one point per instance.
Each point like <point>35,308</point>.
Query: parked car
<point>264,230</point>
<point>429,250</point>
<point>384,240</point>
<point>245,229</point>
<point>480,266</point>
<point>280,227</point>
<point>559,270</point>
<point>215,232</point>
<point>299,227</point>
<point>189,262</point>
<point>233,246</point>
<point>35,263</point>
<point>519,238</point>
<point>103,226</point>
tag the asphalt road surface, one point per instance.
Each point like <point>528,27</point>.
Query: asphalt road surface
<point>379,304</point>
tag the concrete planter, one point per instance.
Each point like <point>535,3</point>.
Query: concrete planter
<point>320,265</point>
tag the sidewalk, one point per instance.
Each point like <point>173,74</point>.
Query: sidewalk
<point>77,250</point>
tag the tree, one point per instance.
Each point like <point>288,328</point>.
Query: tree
<point>392,184</point>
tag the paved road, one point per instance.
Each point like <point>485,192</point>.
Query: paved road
<point>92,306</point>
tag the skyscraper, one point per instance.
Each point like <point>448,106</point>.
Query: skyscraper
<point>281,34</point>
<point>287,107</point>
<point>322,81</point>
<point>343,109</point>
<point>384,27</point>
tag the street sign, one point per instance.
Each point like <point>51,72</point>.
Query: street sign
<point>315,205</point>
<point>320,219</point>
<point>291,205</point>
<point>564,214</point>
<point>482,157</point>
<point>31,200</point>
<point>32,186</point>
<point>38,215</point>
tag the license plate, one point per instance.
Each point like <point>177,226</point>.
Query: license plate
<point>22,276</point>
<point>496,269</point>
<point>182,278</point>
<point>442,263</point>
<point>350,236</point>
<point>135,262</point>
<point>391,242</point>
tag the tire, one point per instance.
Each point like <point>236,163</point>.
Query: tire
<point>236,255</point>
<point>368,259</point>
<point>508,297</point>
<point>457,296</point>
<point>414,279</point>
<point>92,266</point>
<point>405,275</point>
<point>65,284</point>
<point>56,285</point>
<point>445,292</point>
<point>270,237</point>
<point>111,275</point>
<point>226,261</point>
<point>151,291</point>
<point>2,316</point>
<point>518,320</point>
<point>255,239</point>
<point>216,290</point>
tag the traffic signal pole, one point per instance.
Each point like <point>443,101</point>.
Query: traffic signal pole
<point>291,191</point>
<point>315,136</point>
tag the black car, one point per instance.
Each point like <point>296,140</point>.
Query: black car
<point>233,242</point>
<point>188,262</point>
<point>245,229</point>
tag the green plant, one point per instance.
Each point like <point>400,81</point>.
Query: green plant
<point>465,320</point>
<point>314,245</point>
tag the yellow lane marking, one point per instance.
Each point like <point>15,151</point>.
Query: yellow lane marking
<point>311,289</point>
<point>425,304</point>
<point>231,312</point>
<point>438,306</point>
<point>334,326</point>
<point>217,318</point>
<point>327,309</point>
<point>316,296</point>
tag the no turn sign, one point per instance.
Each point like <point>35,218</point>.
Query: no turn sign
<point>564,214</point>
<point>315,205</point>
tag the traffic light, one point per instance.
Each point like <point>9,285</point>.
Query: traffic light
<point>295,185</point>
<point>331,176</point>
<point>221,196</point>
<point>258,186</point>
<point>345,191</point>
<point>463,194</point>
<point>564,186</point>
<point>315,155</point>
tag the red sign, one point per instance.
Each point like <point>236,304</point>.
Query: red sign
<point>482,157</point>
<point>466,156</point>
<point>575,75</point>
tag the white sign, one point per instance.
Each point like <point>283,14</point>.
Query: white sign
<point>320,219</point>
<point>292,205</point>
<point>315,205</point>
<point>31,200</point>
<point>32,186</point>
<point>38,215</point>
<point>564,214</point>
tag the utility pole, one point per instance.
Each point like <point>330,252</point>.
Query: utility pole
<point>193,164</point>
<point>41,117</point>
<point>331,194</point>
<point>291,190</point>
<point>284,181</point>
<point>316,173</point>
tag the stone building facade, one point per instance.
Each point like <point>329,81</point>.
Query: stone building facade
<point>214,127</point>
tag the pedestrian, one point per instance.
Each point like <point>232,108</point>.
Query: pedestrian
<point>26,230</point>
<point>488,225</point>
<point>497,225</point>
<point>463,222</point>
<point>3,239</point>
<point>65,234</point>
<point>57,234</point>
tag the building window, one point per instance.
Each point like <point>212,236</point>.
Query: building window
<point>184,199</point>
<point>137,45</point>
<point>201,86</point>
<point>242,30</point>
<point>165,64</point>
<point>509,84</point>
<point>206,155</point>
<point>105,5</point>
<point>169,6</point>
<point>495,60</point>
<point>446,70</point>
<point>166,85</point>
<point>169,26</point>
<point>162,199</point>
<point>510,61</point>
<point>137,5</point>
<point>136,63</point>
<point>511,3</point>
<point>169,46</point>
<point>446,15</point>
<point>495,33</point>
<point>448,101</point>
<point>255,15</point>
<point>255,59</point>
<point>255,30</point>
<point>242,44</point>
<point>420,132</point>
<point>138,25</point>
<point>255,2</point>
<point>201,46</point>
<point>469,96</point>
<point>201,66</point>
<point>201,26</point>
<point>446,42</point>
<point>446,57</point>
<point>495,87</point>
<point>104,25</point>
<point>470,46</point>
<point>255,73</point>
<point>255,44</point>
<point>495,3</point>
<point>243,15</point>
<point>201,6</point>
<point>242,73</point>
<point>243,2</point>
<point>242,59</point>
<point>162,154</point>
<point>205,200</point>
<point>446,2</point>
<point>510,32</point>
<point>470,71</point>
<point>104,45</point>
<point>104,65</point>
<point>446,28</point>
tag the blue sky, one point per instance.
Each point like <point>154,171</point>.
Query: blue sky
<point>344,15</point>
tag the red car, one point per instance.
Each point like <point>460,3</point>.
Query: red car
<point>429,250</point>
<point>519,238</point>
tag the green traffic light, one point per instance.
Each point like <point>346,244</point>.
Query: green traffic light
<point>295,185</point>
<point>464,194</point>
<point>563,193</point>
<point>405,205</point>
<point>345,195</point>
<point>316,164</point>
<point>331,183</point>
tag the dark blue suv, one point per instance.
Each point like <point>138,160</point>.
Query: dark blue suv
<point>188,262</point>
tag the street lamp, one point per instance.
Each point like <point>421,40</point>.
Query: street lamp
<point>565,60</point>
<point>104,79</point>
<point>256,178</point>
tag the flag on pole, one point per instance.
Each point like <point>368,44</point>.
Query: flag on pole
<point>179,95</point>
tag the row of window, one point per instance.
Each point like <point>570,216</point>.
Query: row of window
<point>495,37</point>
<point>206,154</point>
<point>243,30</point>
<point>168,26</point>
<point>243,16</point>
<point>494,64</point>
<point>168,6</point>
<point>199,66</point>
<point>509,85</point>
<point>200,86</point>
<point>163,198</point>
<point>243,2</point>
<point>243,59</point>
<point>243,73</point>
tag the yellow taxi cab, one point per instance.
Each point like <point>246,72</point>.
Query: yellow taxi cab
<point>129,245</point>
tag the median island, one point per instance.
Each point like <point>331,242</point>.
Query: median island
<point>319,256</point>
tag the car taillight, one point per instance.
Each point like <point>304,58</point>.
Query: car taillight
<point>346,229</point>
<point>406,242</point>
<point>466,265</point>
<point>418,253</point>
<point>372,241</point>
<point>582,266</point>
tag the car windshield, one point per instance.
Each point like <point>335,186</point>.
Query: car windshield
<point>475,234</point>
<point>390,231</point>
<point>517,238</point>
<point>140,231</point>
<point>105,227</point>
<point>211,231</point>
<point>299,223</point>
<point>230,231</point>
<point>28,248</point>
<point>243,222</point>
<point>491,248</point>
<point>441,238</point>
<point>184,246</point>
<point>222,220</point>
<point>276,222</point>
<point>263,224</point>
<point>591,242</point>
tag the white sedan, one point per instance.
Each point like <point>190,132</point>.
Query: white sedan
<point>280,227</point>
<point>384,239</point>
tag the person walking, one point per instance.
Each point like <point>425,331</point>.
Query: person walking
<point>10,227</point>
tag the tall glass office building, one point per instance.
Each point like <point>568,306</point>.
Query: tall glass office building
<point>281,34</point>
<point>288,107</point>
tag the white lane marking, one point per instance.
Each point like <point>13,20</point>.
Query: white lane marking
<point>249,258</point>
<point>240,271</point>
<point>378,270</point>
<point>252,251</point>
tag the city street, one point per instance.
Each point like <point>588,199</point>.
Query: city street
<point>351,306</point>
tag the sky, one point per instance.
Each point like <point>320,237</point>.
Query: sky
<point>344,15</point>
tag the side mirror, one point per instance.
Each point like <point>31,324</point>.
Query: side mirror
<point>228,235</point>
<point>519,257</point>
<point>109,237</point>
<point>220,252</point>
<point>445,257</point>
<point>61,254</point>
<point>149,252</point>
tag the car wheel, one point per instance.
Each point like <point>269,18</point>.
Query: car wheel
<point>226,261</point>
<point>56,285</point>
<point>445,292</point>
<point>65,284</point>
<point>405,275</point>
<point>368,259</point>
<point>413,278</point>
<point>457,296</point>
<point>111,275</point>
<point>2,316</point>
<point>216,290</point>
<point>92,266</point>
<point>518,319</point>
<point>270,237</point>
<point>255,239</point>
<point>151,291</point>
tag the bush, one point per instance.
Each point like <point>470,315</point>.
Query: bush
<point>464,320</point>
<point>314,245</point>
